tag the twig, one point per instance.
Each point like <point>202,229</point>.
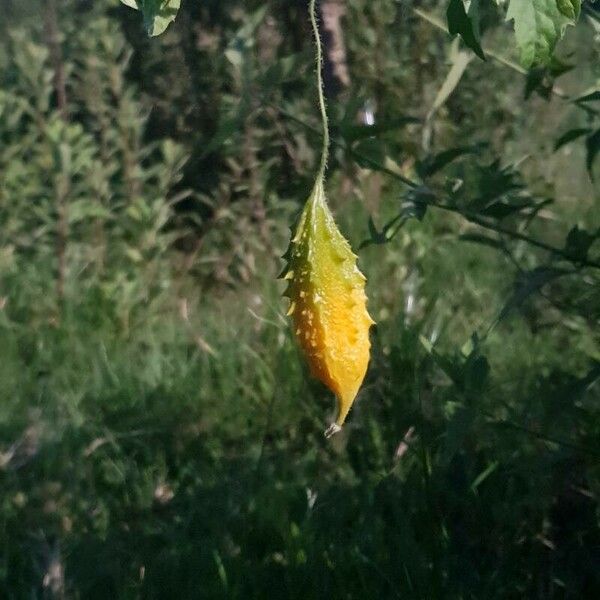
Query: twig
<point>476,220</point>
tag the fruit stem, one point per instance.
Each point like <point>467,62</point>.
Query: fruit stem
<point>320,89</point>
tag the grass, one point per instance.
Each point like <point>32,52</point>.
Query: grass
<point>155,464</point>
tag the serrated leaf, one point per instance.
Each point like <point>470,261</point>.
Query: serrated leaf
<point>158,14</point>
<point>539,25</point>
<point>491,190</point>
<point>328,302</point>
<point>465,24</point>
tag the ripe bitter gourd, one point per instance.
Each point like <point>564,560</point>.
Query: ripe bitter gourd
<point>328,303</point>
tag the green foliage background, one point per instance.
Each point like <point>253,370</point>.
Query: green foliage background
<point>159,434</point>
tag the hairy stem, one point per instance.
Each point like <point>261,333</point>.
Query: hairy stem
<point>320,91</point>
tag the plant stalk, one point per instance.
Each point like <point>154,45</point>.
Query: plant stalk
<point>320,89</point>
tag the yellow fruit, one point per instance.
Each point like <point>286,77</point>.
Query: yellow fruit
<point>328,303</point>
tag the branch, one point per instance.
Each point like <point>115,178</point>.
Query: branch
<point>476,220</point>
<point>472,218</point>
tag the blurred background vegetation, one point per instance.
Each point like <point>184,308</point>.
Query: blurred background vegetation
<point>159,434</point>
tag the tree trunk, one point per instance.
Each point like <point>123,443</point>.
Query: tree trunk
<point>336,75</point>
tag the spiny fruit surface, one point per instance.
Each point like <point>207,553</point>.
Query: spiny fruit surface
<point>328,303</point>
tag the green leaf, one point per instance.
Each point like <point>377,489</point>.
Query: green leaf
<point>579,242</point>
<point>415,202</point>
<point>528,283</point>
<point>414,206</point>
<point>541,79</point>
<point>432,164</point>
<point>476,372</point>
<point>505,207</point>
<point>570,8</point>
<point>591,97</point>
<point>571,136</point>
<point>592,144</point>
<point>158,14</point>
<point>490,190</point>
<point>484,475</point>
<point>460,62</point>
<point>539,25</point>
<point>465,24</point>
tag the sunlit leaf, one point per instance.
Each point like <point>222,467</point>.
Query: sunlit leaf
<point>539,25</point>
<point>460,62</point>
<point>157,14</point>
<point>570,8</point>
